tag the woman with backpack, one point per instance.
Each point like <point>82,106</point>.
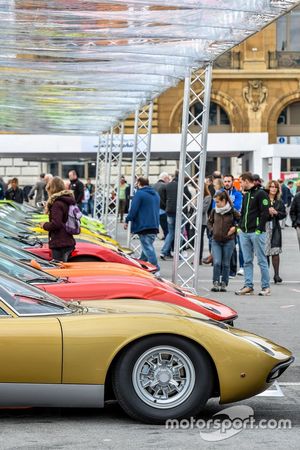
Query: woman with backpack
<point>61,242</point>
<point>222,225</point>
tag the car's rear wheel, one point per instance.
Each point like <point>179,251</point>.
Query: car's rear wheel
<point>163,377</point>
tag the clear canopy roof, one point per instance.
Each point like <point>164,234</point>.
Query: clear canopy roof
<point>81,66</point>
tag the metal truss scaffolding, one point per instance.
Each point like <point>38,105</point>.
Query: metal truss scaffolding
<point>113,175</point>
<point>140,156</point>
<point>100,190</point>
<point>192,176</point>
<point>109,169</point>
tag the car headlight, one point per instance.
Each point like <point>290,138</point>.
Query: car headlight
<point>258,345</point>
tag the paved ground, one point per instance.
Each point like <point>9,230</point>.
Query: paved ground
<point>276,317</point>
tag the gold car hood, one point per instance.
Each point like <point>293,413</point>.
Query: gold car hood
<point>138,306</point>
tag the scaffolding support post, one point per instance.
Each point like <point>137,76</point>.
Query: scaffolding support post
<point>140,157</point>
<point>192,165</point>
<point>107,190</point>
<point>100,188</point>
<point>114,160</point>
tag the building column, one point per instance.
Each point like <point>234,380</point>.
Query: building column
<point>276,168</point>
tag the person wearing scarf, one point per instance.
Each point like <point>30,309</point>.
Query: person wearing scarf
<point>222,225</point>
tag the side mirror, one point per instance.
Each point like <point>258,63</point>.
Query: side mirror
<point>35,264</point>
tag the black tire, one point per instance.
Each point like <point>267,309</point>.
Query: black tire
<point>132,396</point>
<point>85,258</point>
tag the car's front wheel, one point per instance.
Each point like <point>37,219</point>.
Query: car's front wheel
<point>163,377</point>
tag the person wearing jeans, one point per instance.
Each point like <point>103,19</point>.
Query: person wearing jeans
<point>148,252</point>
<point>236,198</point>
<point>168,199</point>
<point>159,186</point>
<point>222,252</point>
<point>255,243</point>
<point>144,218</point>
<point>62,254</point>
<point>167,247</point>
<point>241,258</point>
<point>252,234</point>
<point>222,224</point>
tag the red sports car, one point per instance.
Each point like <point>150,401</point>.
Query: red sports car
<point>112,287</point>
<point>115,287</point>
<point>94,252</point>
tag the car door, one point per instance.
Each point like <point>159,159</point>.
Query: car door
<point>30,348</point>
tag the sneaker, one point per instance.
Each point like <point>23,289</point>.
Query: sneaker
<point>165,257</point>
<point>157,273</point>
<point>216,287</point>
<point>223,287</point>
<point>245,291</point>
<point>265,291</point>
<point>231,277</point>
<point>241,272</point>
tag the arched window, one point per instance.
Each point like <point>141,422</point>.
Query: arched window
<point>288,123</point>
<point>218,123</point>
<point>218,119</point>
<point>288,131</point>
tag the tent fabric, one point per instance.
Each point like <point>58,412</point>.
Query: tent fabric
<point>81,66</point>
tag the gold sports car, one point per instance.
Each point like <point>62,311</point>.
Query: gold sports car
<point>158,360</point>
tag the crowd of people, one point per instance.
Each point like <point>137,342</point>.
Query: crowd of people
<point>241,217</point>
<point>83,193</point>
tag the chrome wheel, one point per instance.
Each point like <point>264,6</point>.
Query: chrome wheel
<point>163,377</point>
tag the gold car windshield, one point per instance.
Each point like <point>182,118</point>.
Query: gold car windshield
<point>28,306</point>
<point>27,300</point>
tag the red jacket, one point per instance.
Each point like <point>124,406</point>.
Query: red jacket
<point>58,205</point>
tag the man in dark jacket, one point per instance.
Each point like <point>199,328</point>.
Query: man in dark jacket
<point>77,187</point>
<point>14,192</point>
<point>295,215</point>
<point>254,216</point>
<point>144,218</point>
<point>159,187</point>
<point>169,202</point>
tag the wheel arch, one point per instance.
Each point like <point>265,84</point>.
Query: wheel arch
<point>108,379</point>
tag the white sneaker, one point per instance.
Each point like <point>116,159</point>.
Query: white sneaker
<point>241,272</point>
<point>265,291</point>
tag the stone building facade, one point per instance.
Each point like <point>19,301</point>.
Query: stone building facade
<point>256,86</point>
